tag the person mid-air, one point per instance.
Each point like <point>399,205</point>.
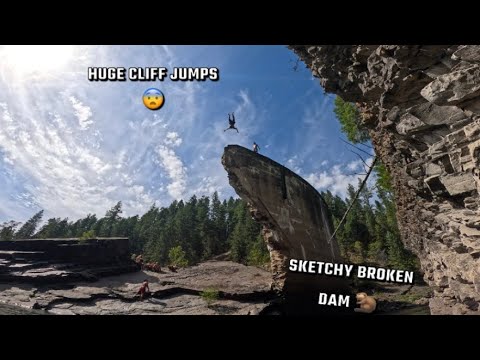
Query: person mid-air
<point>231,121</point>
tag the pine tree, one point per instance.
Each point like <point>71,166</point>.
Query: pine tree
<point>349,117</point>
<point>7,230</point>
<point>112,216</point>
<point>28,229</point>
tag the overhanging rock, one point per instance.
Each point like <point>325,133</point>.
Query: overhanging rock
<point>296,225</point>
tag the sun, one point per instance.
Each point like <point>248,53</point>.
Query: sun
<point>35,59</point>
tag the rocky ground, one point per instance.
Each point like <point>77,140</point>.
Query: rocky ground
<point>240,290</point>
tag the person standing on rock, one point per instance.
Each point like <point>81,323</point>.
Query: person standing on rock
<point>144,289</point>
<point>255,147</point>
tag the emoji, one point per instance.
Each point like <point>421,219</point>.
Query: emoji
<point>367,303</point>
<point>153,99</point>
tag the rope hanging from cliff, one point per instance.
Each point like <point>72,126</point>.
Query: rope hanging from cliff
<point>354,198</point>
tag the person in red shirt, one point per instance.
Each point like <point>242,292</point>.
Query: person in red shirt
<point>144,289</point>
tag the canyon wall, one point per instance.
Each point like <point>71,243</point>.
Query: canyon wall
<point>422,107</point>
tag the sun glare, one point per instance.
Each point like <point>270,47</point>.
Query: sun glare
<point>35,59</point>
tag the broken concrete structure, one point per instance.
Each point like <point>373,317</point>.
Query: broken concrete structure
<point>296,225</point>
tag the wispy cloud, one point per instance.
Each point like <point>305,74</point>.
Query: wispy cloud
<point>56,158</point>
<point>82,112</point>
<point>73,147</point>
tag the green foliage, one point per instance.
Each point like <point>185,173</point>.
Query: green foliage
<point>384,179</point>
<point>349,117</point>
<point>201,228</point>
<point>258,254</point>
<point>370,232</point>
<point>90,234</point>
<point>210,295</point>
<point>28,229</point>
<point>178,257</point>
<point>7,230</point>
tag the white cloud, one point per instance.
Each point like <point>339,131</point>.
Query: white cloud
<point>61,160</point>
<point>294,164</point>
<point>56,169</point>
<point>208,185</point>
<point>354,165</point>
<point>82,112</point>
<point>173,139</point>
<point>336,179</point>
<point>175,170</point>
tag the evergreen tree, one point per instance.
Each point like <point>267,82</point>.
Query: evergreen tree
<point>109,221</point>
<point>258,253</point>
<point>349,117</point>
<point>28,229</point>
<point>7,230</point>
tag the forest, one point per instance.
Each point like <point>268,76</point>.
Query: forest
<point>188,232</point>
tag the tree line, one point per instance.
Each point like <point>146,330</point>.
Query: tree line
<point>196,230</point>
<point>190,232</point>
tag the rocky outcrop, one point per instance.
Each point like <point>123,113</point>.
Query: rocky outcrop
<point>240,290</point>
<point>422,106</point>
<point>51,261</point>
<point>295,223</point>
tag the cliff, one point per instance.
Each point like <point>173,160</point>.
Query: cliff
<point>422,107</point>
<point>295,223</point>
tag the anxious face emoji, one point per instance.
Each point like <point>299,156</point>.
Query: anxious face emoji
<point>153,99</point>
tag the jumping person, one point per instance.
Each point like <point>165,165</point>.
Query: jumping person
<point>231,121</point>
<point>255,147</point>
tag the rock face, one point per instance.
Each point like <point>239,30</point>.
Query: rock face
<point>295,224</point>
<point>422,106</point>
<point>42,261</point>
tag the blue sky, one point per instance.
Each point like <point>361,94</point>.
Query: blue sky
<point>73,147</point>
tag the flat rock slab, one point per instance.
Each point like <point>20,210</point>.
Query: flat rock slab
<point>116,295</point>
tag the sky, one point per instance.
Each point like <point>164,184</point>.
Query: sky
<point>72,147</point>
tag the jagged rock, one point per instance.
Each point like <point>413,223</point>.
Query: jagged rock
<point>467,53</point>
<point>427,97</point>
<point>454,87</point>
<point>296,224</point>
<point>458,184</point>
